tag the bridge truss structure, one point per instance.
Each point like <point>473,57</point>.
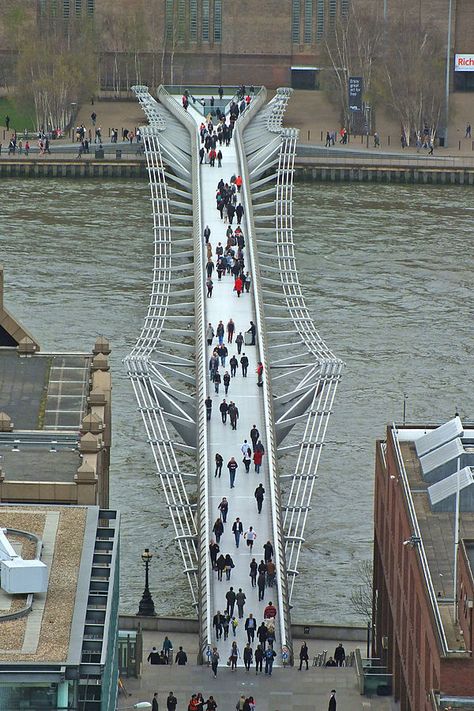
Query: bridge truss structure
<point>168,365</point>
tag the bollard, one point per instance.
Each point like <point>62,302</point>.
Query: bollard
<point>367,140</point>
<point>362,139</point>
<point>3,134</point>
<point>109,132</point>
<point>322,137</point>
<point>459,143</point>
<point>309,135</point>
<point>388,141</point>
<point>472,145</point>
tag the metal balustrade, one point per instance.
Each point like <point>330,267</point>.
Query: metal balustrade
<point>156,397</point>
<point>308,401</point>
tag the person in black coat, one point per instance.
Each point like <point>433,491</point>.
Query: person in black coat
<point>304,656</point>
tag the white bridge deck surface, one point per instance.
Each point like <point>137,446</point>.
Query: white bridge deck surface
<point>223,305</point>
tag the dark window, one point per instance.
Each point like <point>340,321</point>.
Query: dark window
<point>169,19</point>
<point>308,21</point>
<point>320,20</point>
<point>66,8</point>
<point>295,21</point>
<point>332,11</point>
<point>90,7</point>
<point>193,19</point>
<point>181,19</point>
<point>78,7</point>
<point>217,20</point>
<point>205,20</point>
<point>344,8</point>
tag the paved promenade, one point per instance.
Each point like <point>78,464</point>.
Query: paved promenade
<point>287,690</point>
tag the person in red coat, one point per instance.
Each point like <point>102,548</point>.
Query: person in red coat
<point>238,285</point>
<point>257,460</point>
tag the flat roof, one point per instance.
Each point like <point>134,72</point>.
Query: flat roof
<point>38,463</point>
<point>437,532</point>
<point>45,634</point>
<point>44,391</point>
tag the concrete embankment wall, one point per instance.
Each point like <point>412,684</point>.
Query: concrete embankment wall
<point>190,625</point>
<point>424,175</point>
<point>70,168</point>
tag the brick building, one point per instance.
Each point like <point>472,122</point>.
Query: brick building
<point>422,637</point>
<point>221,42</point>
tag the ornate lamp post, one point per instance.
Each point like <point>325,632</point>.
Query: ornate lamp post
<point>146,607</point>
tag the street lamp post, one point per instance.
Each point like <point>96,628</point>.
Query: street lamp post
<point>448,68</point>
<point>146,607</point>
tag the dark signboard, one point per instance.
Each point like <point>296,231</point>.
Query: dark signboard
<point>355,93</point>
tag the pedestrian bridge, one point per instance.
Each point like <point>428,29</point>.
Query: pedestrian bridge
<point>168,365</point>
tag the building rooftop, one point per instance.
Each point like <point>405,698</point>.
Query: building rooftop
<point>46,633</point>
<point>436,528</point>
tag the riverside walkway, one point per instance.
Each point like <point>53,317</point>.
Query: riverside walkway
<point>168,366</point>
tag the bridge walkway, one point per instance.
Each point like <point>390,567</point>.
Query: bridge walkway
<point>248,397</point>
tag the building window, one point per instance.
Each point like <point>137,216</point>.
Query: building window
<point>320,20</point>
<point>169,19</point>
<point>193,20</point>
<point>205,20</point>
<point>78,7</point>
<point>308,21</point>
<point>344,8</point>
<point>181,19</point>
<point>66,8</point>
<point>295,21</point>
<point>90,7</point>
<point>217,20</point>
<point>332,11</point>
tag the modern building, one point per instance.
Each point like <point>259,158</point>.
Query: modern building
<point>55,420</point>
<point>423,601</point>
<point>58,649</point>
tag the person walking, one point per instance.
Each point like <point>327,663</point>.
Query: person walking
<point>259,371</point>
<point>304,655</point>
<point>220,565</point>
<point>207,233</point>
<point>217,381</point>
<point>270,655</point>
<point>225,625</point>
<point>248,656</point>
<point>270,611</point>
<point>229,565</point>
<point>224,508</point>
<point>230,597</point>
<point>219,462</point>
<point>261,582</point>
<point>232,466</point>
<point>209,286</point>
<point>254,436</point>
<point>268,551</point>
<point>239,340</point>
<point>230,331</point>
<point>271,572</point>
<point>252,330</point>
<point>154,656</point>
<point>262,634</point>
<point>224,409</point>
<point>171,702</point>
<point>213,551</point>
<point>218,529</point>
<point>250,627</point>
<point>167,648</point>
<point>233,365</point>
<point>226,380</point>
<point>220,332</point>
<point>332,701</point>
<point>233,415</point>
<point>217,623</point>
<point>253,572</point>
<point>181,657</point>
<point>257,460</point>
<point>250,537</point>
<point>237,530</point>
<point>239,212</point>
<point>240,599</point>
<point>259,496</point>
<point>209,334</point>
<point>214,665</point>
<point>238,286</point>
<point>258,659</point>
<point>233,656</point>
<point>247,459</point>
<point>208,403</point>
<point>244,362</point>
<point>154,702</point>
<point>340,655</point>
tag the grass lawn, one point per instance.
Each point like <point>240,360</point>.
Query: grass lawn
<point>20,117</point>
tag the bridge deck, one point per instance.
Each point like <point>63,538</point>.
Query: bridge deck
<point>223,305</point>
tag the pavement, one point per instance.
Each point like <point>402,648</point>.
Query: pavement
<point>287,689</point>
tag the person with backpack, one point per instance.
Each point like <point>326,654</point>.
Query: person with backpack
<point>269,655</point>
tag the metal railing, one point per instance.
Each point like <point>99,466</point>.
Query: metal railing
<point>275,496</point>
<point>149,384</point>
<point>311,399</point>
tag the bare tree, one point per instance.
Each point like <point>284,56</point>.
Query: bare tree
<point>353,47</point>
<point>412,78</point>
<point>361,595</point>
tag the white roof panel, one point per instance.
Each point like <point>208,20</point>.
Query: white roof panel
<point>448,486</point>
<point>439,436</point>
<point>442,455</point>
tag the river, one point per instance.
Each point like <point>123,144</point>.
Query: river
<point>387,271</point>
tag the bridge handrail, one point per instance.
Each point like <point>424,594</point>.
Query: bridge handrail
<point>325,374</point>
<point>201,374</point>
<point>140,367</point>
<point>275,498</point>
